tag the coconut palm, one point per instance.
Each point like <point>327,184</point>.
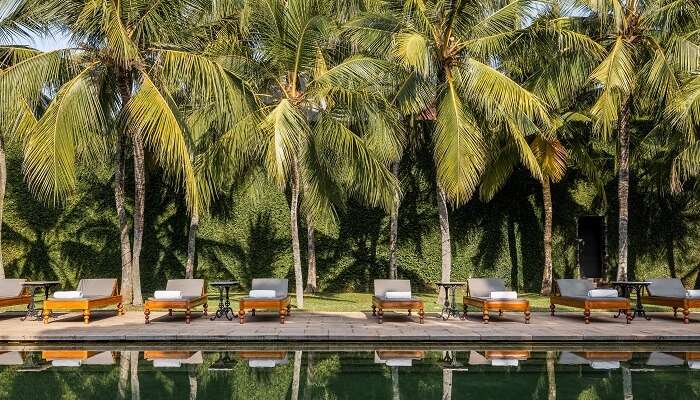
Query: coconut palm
<point>316,118</point>
<point>118,89</point>
<point>651,46</point>
<point>450,51</point>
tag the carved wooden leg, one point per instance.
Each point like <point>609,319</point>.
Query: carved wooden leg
<point>86,316</point>
<point>374,310</point>
<point>409,312</point>
<point>120,309</point>
<point>675,312</point>
<point>381,315</point>
<point>206,309</point>
<point>283,313</point>
<point>241,315</point>
<point>146,315</point>
<point>485,315</point>
<point>551,309</point>
<point>289,309</point>
<point>170,312</point>
<point>686,315</point>
<point>527,316</point>
<point>188,315</point>
<point>252,312</point>
<point>46,314</point>
<point>587,315</point>
<point>629,315</point>
<point>421,315</point>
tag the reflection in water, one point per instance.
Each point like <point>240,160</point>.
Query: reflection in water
<point>372,373</point>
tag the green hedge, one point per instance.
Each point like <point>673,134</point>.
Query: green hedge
<point>247,236</point>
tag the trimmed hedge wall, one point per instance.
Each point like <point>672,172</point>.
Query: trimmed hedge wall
<point>245,237</point>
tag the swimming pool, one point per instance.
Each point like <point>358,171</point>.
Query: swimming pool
<point>350,371</point>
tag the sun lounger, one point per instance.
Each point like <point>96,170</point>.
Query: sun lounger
<point>596,359</point>
<point>671,293</point>
<point>180,294</point>
<point>95,293</point>
<point>12,293</point>
<point>575,293</point>
<point>395,294</point>
<point>76,358</point>
<point>398,358</point>
<point>173,359</point>
<point>479,295</point>
<point>266,294</point>
<point>264,359</point>
<point>498,358</point>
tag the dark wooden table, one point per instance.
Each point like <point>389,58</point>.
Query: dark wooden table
<point>224,309</point>
<point>33,287</point>
<point>638,287</point>
<point>449,308</point>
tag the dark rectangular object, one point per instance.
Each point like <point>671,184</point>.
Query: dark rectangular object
<point>592,246</point>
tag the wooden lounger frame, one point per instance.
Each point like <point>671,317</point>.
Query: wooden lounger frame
<point>685,304</point>
<point>616,304</point>
<point>247,303</point>
<point>84,304</point>
<point>176,304</point>
<point>23,298</point>
<point>409,305</point>
<point>486,305</point>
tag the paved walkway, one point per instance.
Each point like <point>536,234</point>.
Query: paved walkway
<point>349,326</point>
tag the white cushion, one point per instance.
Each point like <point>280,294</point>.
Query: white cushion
<point>504,362</point>
<point>399,362</point>
<point>65,363</point>
<point>603,293</point>
<point>605,364</point>
<point>262,294</point>
<point>504,295</point>
<point>72,294</point>
<point>694,364</point>
<point>397,295</point>
<point>692,293</point>
<point>167,294</point>
<point>256,363</point>
<point>165,363</point>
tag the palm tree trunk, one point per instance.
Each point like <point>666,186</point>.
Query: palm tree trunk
<point>394,228</point>
<point>296,252</point>
<point>119,199</point>
<point>123,384</point>
<point>311,256</point>
<point>627,384</point>
<point>395,388</point>
<point>296,375</point>
<point>551,376</point>
<point>192,377</point>
<point>139,208</point>
<point>135,386</point>
<point>446,384</point>
<point>309,375</point>
<point>446,242</point>
<point>623,190</point>
<point>547,272</point>
<point>3,183</point>
<point>194,225</point>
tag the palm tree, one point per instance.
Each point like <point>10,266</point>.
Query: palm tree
<point>450,51</point>
<point>118,88</point>
<point>650,46</point>
<point>310,129</point>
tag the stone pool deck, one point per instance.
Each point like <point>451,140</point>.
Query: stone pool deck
<point>350,327</point>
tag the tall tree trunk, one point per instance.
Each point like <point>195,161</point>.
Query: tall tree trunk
<point>395,387</point>
<point>623,189</point>
<point>551,376</point>
<point>547,272</point>
<point>445,241</point>
<point>123,384</point>
<point>119,199</point>
<point>627,384</point>
<point>139,208</point>
<point>394,228</point>
<point>311,286</point>
<point>446,384</point>
<point>309,375</point>
<point>135,386</point>
<point>296,375</point>
<point>191,241</point>
<point>192,377</point>
<point>296,252</point>
<point>3,183</point>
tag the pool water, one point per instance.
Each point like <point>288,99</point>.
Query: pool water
<point>352,372</point>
